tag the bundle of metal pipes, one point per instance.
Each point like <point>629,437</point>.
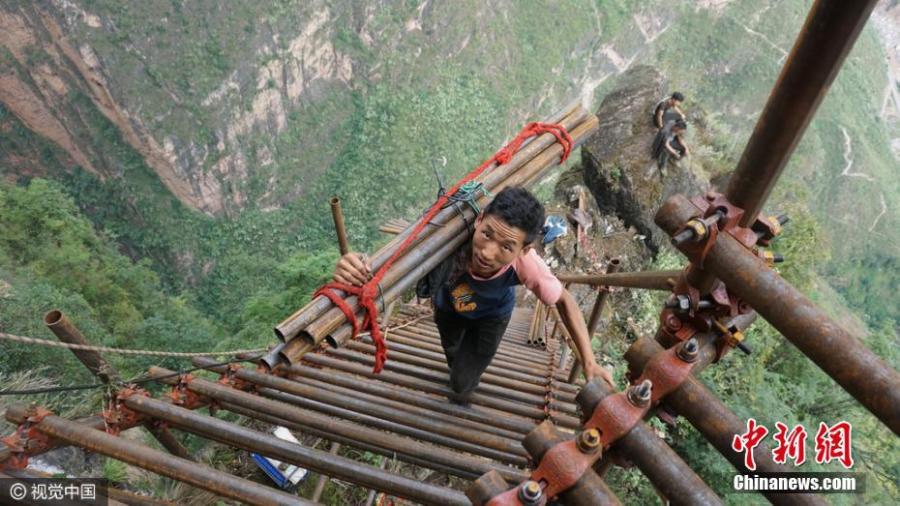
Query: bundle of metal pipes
<point>537,329</point>
<point>321,321</point>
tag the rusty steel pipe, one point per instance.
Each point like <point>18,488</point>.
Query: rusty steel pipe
<point>294,350</point>
<point>569,117</point>
<point>412,265</point>
<point>602,295</point>
<point>416,383</point>
<point>589,490</point>
<point>409,346</point>
<point>848,361</point>
<point>499,366</point>
<point>324,478</point>
<point>649,280</point>
<point>437,425</point>
<point>192,473</point>
<point>361,411</point>
<point>715,422</point>
<point>525,382</point>
<point>169,441</point>
<point>370,499</point>
<point>410,397</point>
<point>594,318</point>
<point>362,418</point>
<point>656,459</point>
<point>534,324</point>
<point>505,359</point>
<point>419,384</point>
<point>409,409</point>
<point>510,352</point>
<point>337,215</point>
<point>489,397</point>
<point>321,462</point>
<point>510,392</point>
<point>422,380</point>
<point>828,34</point>
<point>67,332</point>
<point>361,445</point>
<point>830,30</point>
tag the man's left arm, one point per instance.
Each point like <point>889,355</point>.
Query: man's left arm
<point>572,318</point>
<point>536,276</point>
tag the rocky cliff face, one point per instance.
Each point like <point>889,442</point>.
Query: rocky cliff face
<point>41,72</point>
<point>48,59</point>
<point>249,105</point>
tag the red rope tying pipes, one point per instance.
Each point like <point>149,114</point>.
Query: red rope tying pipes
<point>368,292</point>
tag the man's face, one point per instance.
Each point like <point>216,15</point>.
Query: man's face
<point>494,245</point>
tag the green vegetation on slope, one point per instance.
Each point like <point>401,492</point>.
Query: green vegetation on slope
<point>193,282</point>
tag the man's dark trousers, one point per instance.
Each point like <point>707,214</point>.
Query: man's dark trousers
<point>469,346</point>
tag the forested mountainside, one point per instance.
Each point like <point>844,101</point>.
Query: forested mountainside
<point>166,165</point>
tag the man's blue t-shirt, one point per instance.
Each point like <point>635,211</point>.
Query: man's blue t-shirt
<point>495,297</point>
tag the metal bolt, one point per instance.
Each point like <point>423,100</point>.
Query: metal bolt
<point>639,395</point>
<point>589,440</point>
<point>680,303</point>
<point>689,350</point>
<point>530,492</point>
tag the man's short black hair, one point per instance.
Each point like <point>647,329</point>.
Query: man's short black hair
<point>678,96</point>
<point>518,208</point>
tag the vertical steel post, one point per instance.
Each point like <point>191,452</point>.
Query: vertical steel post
<point>57,322</point>
<point>338,215</point>
<point>67,332</point>
<point>323,479</point>
<point>829,33</point>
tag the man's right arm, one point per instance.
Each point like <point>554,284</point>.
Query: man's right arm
<point>353,269</point>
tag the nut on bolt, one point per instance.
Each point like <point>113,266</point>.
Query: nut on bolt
<point>639,395</point>
<point>530,492</point>
<point>689,350</point>
<point>589,440</point>
<point>681,303</point>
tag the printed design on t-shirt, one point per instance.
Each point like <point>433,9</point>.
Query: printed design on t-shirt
<point>462,298</point>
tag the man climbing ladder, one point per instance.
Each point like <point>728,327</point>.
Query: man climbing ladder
<point>475,295</point>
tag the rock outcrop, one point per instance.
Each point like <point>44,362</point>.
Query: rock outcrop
<point>618,171</point>
<point>617,165</point>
